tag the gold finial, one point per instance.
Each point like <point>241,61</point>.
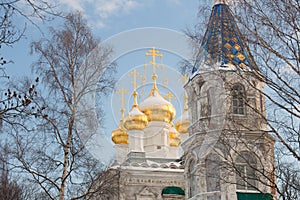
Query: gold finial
<point>169,96</point>
<point>134,73</point>
<point>154,53</point>
<point>154,87</point>
<point>122,92</point>
<point>135,94</point>
<point>220,2</point>
<point>184,79</point>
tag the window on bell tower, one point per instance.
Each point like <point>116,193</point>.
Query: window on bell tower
<point>238,100</point>
<point>246,166</point>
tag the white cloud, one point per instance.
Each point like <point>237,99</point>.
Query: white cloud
<point>112,7</point>
<point>99,10</point>
<point>73,4</point>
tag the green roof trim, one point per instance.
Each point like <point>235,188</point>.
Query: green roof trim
<point>172,190</point>
<point>254,196</point>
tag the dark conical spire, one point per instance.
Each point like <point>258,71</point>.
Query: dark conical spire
<point>223,42</point>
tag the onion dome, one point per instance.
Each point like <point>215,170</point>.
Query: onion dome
<point>156,107</point>
<point>174,137</point>
<point>119,135</point>
<point>135,120</point>
<point>182,125</point>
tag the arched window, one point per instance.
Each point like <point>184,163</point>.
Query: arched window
<point>246,166</point>
<point>238,100</point>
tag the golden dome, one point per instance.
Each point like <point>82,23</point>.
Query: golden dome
<point>156,107</point>
<point>119,135</point>
<point>174,137</point>
<point>135,120</point>
<point>182,125</point>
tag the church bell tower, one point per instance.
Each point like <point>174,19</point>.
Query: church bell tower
<point>229,154</point>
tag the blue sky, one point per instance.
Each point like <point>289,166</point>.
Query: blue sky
<point>109,19</point>
<point>117,15</point>
<point>106,18</point>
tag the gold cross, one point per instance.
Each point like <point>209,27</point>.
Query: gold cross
<point>122,92</point>
<point>169,96</point>
<point>183,78</point>
<point>154,53</point>
<point>134,73</point>
<point>144,77</point>
<point>165,81</point>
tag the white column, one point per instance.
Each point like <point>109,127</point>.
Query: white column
<point>121,152</point>
<point>136,143</point>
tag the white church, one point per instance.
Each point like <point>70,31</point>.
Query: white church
<point>222,133</point>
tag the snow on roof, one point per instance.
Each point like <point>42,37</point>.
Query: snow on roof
<point>135,112</point>
<point>150,166</point>
<point>155,100</point>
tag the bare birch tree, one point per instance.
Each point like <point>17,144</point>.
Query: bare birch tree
<point>12,102</point>
<point>72,64</point>
<point>12,32</point>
